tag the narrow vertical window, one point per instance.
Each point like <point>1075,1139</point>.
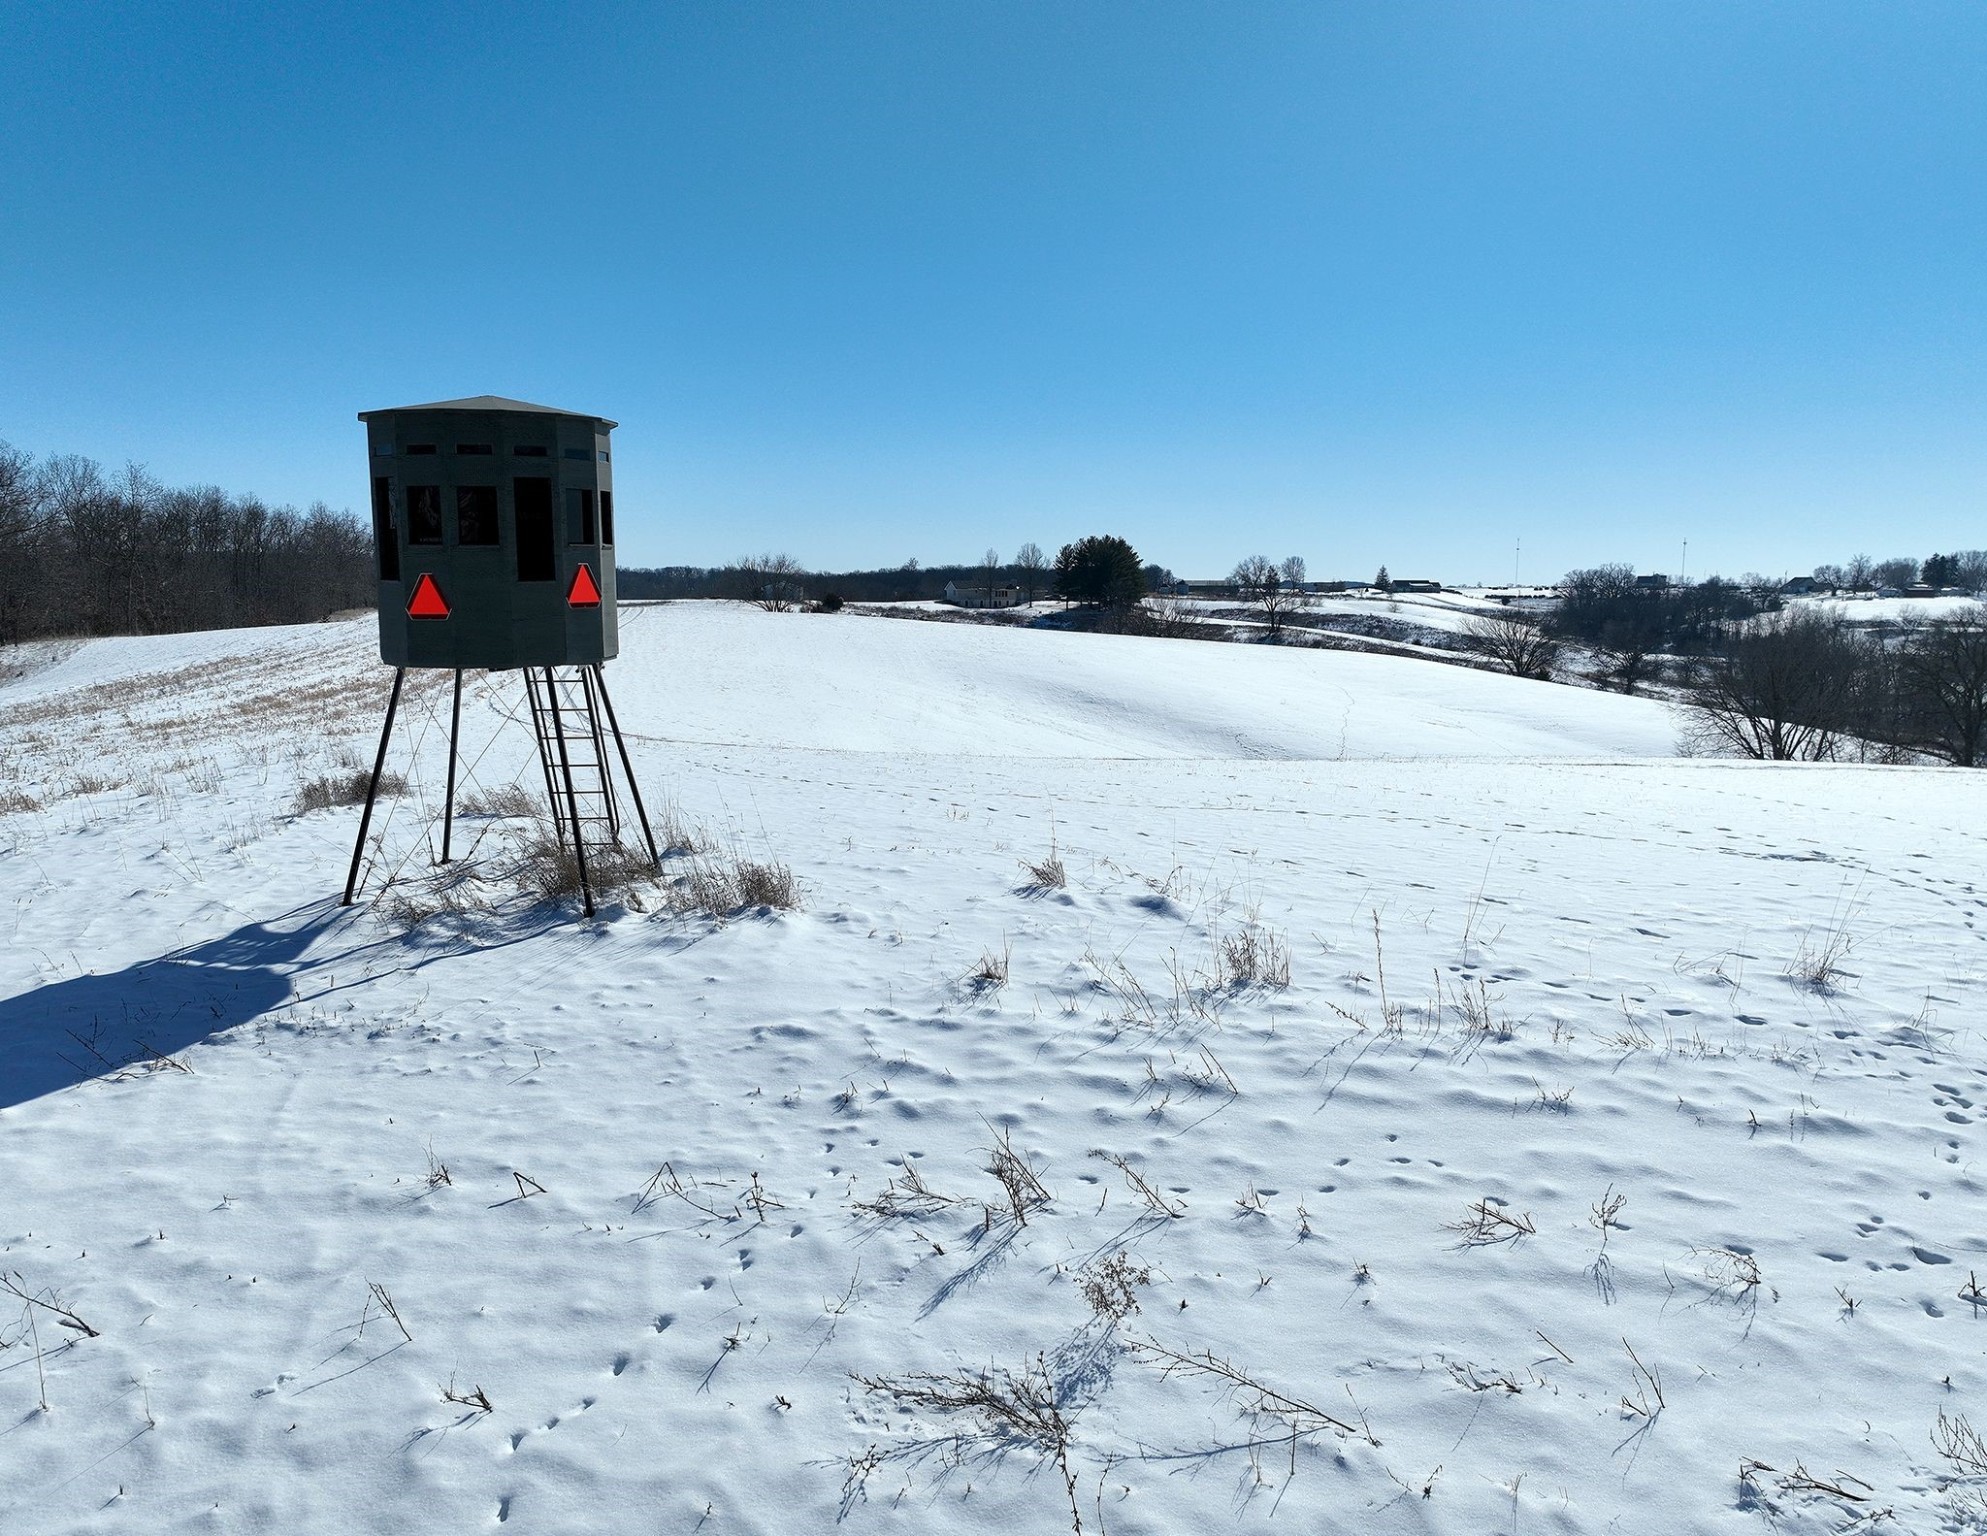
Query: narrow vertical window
<point>537,554</point>
<point>579,517</point>
<point>607,517</point>
<point>386,537</point>
<point>424,514</point>
<point>475,514</point>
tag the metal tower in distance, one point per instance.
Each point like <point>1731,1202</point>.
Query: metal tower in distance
<point>493,530</point>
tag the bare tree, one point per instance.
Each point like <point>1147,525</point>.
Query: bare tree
<point>1033,566</point>
<point>990,572</point>
<point>1943,670</point>
<point>1292,571</point>
<point>1860,571</point>
<point>1262,584</point>
<point>1899,573</point>
<point>1513,643</point>
<point>1791,686</point>
<point>771,581</point>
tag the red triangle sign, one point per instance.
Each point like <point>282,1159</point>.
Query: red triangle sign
<point>427,601</point>
<point>583,593</point>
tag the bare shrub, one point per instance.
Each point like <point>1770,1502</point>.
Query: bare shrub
<point>906,1195</point>
<point>1010,1408</point>
<point>1486,1223</point>
<point>1514,644</point>
<point>343,789</point>
<point>1017,1176</point>
<point>475,1398</point>
<point>1731,1273</point>
<point>378,1296</point>
<point>14,802</point>
<point>773,582</point>
<point>1647,1384</point>
<point>1960,1443</point>
<point>1158,1203</point>
<point>15,1284</point>
<point>1276,1417</point>
<point>1111,1285</point>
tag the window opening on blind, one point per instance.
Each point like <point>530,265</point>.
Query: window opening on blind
<point>579,517</point>
<point>607,517</point>
<point>537,554</point>
<point>476,514</point>
<point>386,538</point>
<point>474,448</point>
<point>424,514</point>
<point>419,448</point>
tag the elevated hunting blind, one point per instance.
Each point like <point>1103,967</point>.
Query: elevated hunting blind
<point>493,537</point>
<point>493,527</point>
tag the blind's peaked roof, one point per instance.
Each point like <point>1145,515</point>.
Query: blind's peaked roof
<point>489,403</point>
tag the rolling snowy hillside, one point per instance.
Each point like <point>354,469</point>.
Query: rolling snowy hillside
<point>1605,1160</point>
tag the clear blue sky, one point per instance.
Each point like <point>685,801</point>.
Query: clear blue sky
<point>1387,281</point>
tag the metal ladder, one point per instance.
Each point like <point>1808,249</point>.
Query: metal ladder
<point>572,753</point>
<point>566,709</point>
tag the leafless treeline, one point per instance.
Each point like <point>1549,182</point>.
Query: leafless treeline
<point>1806,684</point>
<point>85,552</point>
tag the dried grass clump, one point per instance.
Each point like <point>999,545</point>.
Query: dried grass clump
<point>407,905</point>
<point>1253,956</point>
<point>499,804</point>
<point>990,975</point>
<point>343,789</point>
<point>546,867</point>
<point>14,802</point>
<point>1047,873</point>
<point>721,884</point>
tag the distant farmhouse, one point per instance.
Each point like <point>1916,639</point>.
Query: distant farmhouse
<point>980,597</point>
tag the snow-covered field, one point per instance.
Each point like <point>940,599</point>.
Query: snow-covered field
<point>1537,965</point>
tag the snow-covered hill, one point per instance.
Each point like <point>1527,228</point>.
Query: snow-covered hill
<point>1535,965</point>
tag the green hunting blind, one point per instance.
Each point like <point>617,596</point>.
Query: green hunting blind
<point>493,536</point>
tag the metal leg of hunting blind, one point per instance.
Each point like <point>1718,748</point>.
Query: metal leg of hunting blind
<point>372,786</point>
<point>572,795</point>
<point>627,768</point>
<point>454,734</point>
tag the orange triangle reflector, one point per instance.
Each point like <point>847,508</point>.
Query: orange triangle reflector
<point>427,601</point>
<point>583,593</point>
